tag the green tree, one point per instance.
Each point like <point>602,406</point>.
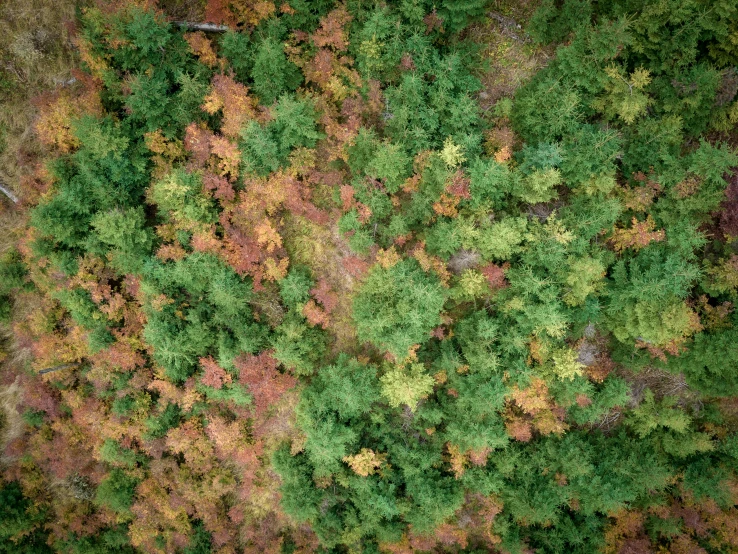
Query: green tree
<point>397,307</point>
<point>117,491</point>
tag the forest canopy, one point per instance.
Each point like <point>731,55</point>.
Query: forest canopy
<point>309,279</point>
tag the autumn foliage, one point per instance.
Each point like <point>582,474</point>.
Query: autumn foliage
<point>294,287</point>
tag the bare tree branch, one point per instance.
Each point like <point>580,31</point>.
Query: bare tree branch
<point>206,27</point>
<point>9,194</point>
<point>60,367</point>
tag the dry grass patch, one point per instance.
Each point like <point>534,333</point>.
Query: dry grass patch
<point>509,52</point>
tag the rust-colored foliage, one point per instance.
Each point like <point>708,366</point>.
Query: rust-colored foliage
<point>366,462</point>
<point>448,535</point>
<point>189,440</point>
<point>264,381</point>
<point>58,110</point>
<point>355,266</point>
<point>534,408</point>
<point>120,355</point>
<point>446,205</point>
<point>197,142</point>
<point>700,522</point>
<point>202,48</point>
<point>214,375</point>
<point>459,185</point>
<point>716,317</point>
<point>470,526</point>
<point>238,12</point>
<point>347,197</point>
<point>38,395</point>
<point>433,21</point>
<point>331,32</point>
<point>688,187</point>
<point>729,207</point>
<point>387,258</point>
<point>220,187</point>
<point>638,236</point>
<point>495,275</point>
<point>673,347</point>
<point>431,263</point>
<point>519,429</point>
<point>173,252</point>
<point>166,152</point>
<point>218,12</point>
<point>640,197</point>
<point>233,99</point>
<point>315,315</point>
<point>228,157</point>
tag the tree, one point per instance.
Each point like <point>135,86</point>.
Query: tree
<point>20,528</point>
<point>397,307</point>
<point>117,491</point>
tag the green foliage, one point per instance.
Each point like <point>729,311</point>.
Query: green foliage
<point>13,277</point>
<point>546,109</point>
<point>651,415</point>
<point>297,345</point>
<point>20,522</point>
<point>236,395</point>
<point>13,272</point>
<point>340,393</point>
<point>126,233</point>
<point>272,73</point>
<point>490,182</point>
<point>397,307</point>
<point>115,454</point>
<point>553,23</point>
<point>34,418</point>
<point>433,102</point>
<point>214,302</point>
<point>105,173</point>
<point>113,539</point>
<point>652,322</point>
<point>117,491</point>
<point>390,164</point>
<point>406,386</point>
<point>158,425</point>
<point>624,97</point>
<point>709,363</point>
<point>201,542</point>
<point>259,149</point>
<point>166,85</point>
<point>295,288</point>
<point>85,313</point>
<point>294,124</point>
<point>476,392</point>
<point>495,241</point>
<point>237,48</point>
<point>178,196</point>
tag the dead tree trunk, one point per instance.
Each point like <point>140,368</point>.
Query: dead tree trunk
<point>60,367</point>
<point>206,27</point>
<point>13,198</point>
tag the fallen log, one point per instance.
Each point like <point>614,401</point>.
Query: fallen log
<point>510,27</point>
<point>13,198</point>
<point>205,27</point>
<point>60,367</point>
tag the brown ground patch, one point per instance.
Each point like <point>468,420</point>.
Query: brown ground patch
<point>11,422</point>
<point>324,251</point>
<point>509,51</point>
<point>183,10</point>
<point>662,383</point>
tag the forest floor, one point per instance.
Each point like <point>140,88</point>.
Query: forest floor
<point>509,53</point>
